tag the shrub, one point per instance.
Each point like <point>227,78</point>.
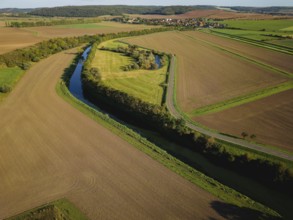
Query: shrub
<point>5,89</point>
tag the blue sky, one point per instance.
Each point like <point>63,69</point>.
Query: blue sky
<point>52,3</point>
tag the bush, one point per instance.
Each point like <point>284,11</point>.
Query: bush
<point>24,66</point>
<point>5,89</point>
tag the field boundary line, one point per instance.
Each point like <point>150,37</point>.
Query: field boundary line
<point>251,42</point>
<point>177,113</point>
<point>240,100</point>
<point>263,65</point>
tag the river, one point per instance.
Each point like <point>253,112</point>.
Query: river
<point>75,85</point>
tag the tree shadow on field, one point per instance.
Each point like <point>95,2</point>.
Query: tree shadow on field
<point>230,135</point>
<point>73,53</point>
<point>233,212</point>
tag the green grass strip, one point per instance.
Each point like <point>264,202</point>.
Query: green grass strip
<point>59,210</point>
<point>220,106</point>
<point>219,190</point>
<point>9,76</point>
<point>274,47</point>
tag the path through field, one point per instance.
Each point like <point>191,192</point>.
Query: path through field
<point>50,150</point>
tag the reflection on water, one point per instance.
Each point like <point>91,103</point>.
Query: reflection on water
<point>75,85</point>
<point>158,61</point>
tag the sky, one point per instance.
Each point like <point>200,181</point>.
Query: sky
<point>53,3</point>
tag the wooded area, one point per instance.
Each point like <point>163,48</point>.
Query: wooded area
<point>93,11</point>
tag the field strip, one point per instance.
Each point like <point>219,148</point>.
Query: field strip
<point>264,65</point>
<point>252,42</point>
<point>241,99</point>
<point>174,109</point>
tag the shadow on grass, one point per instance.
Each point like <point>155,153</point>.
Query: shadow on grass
<point>230,135</point>
<point>232,212</point>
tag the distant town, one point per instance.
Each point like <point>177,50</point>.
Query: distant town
<point>187,22</point>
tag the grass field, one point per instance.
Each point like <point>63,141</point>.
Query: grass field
<point>261,29</point>
<point>59,210</point>
<point>285,42</point>
<point>8,78</point>
<point>250,34</point>
<point>207,75</point>
<point>143,84</point>
<point>256,25</point>
<point>269,37</point>
<point>84,26</point>
<point>290,28</point>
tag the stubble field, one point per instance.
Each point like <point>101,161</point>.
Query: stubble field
<point>50,150</point>
<point>207,75</point>
<point>270,119</point>
<point>15,38</point>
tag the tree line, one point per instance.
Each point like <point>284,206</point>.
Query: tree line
<point>272,173</point>
<point>24,57</point>
<point>94,11</point>
<point>143,59</point>
<point>20,24</point>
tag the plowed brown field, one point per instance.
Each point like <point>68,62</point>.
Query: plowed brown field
<point>207,75</point>
<point>270,119</point>
<point>15,38</point>
<point>270,57</point>
<point>50,150</point>
<point>103,27</point>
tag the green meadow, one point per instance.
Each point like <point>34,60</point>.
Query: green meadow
<point>147,85</point>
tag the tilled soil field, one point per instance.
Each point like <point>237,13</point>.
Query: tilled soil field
<point>50,150</point>
<point>270,119</point>
<point>207,75</point>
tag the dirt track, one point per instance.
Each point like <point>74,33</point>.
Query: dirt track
<point>50,150</point>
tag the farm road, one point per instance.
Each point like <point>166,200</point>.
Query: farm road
<point>50,150</point>
<point>171,106</point>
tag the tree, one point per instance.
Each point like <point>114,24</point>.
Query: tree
<point>244,134</point>
<point>253,136</point>
<point>135,66</point>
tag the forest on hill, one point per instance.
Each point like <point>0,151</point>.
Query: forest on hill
<point>94,11</point>
<point>266,10</point>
